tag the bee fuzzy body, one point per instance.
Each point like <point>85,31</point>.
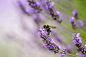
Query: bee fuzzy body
<point>48,28</point>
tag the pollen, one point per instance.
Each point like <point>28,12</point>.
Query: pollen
<point>46,24</point>
<point>50,29</point>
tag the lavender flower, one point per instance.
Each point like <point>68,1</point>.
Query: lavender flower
<point>75,13</point>
<point>81,23</point>
<point>78,42</point>
<point>51,5</point>
<point>35,5</point>
<point>72,19</point>
<point>49,43</point>
<point>58,13</point>
<point>73,23</point>
<point>62,55</point>
<point>54,14</point>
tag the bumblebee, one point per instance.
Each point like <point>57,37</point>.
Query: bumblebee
<point>48,28</point>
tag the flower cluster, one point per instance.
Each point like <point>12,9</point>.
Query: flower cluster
<point>49,43</point>
<point>73,23</point>
<point>75,13</point>
<point>35,5</point>
<point>78,42</point>
<point>54,14</point>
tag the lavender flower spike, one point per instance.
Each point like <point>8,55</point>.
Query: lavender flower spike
<point>35,5</point>
<point>49,43</point>
<point>54,14</point>
<point>81,23</point>
<point>72,19</point>
<point>77,39</point>
<point>75,13</point>
<point>73,23</point>
<point>78,43</point>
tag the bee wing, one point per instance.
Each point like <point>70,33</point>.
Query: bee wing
<point>52,26</point>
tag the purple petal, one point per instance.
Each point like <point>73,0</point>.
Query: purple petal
<point>38,3</point>
<point>74,12</point>
<point>78,34</point>
<point>85,46</point>
<point>72,19</point>
<point>62,55</point>
<point>77,54</point>
<point>81,23</point>
<point>75,42</point>
<point>85,50</point>
<point>51,5</point>
<point>58,13</point>
<point>33,5</point>
<point>47,7</point>
<point>80,41</point>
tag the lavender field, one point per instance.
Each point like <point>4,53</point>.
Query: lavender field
<point>42,28</point>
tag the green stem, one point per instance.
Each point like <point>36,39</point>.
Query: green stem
<point>71,55</point>
<point>46,15</point>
